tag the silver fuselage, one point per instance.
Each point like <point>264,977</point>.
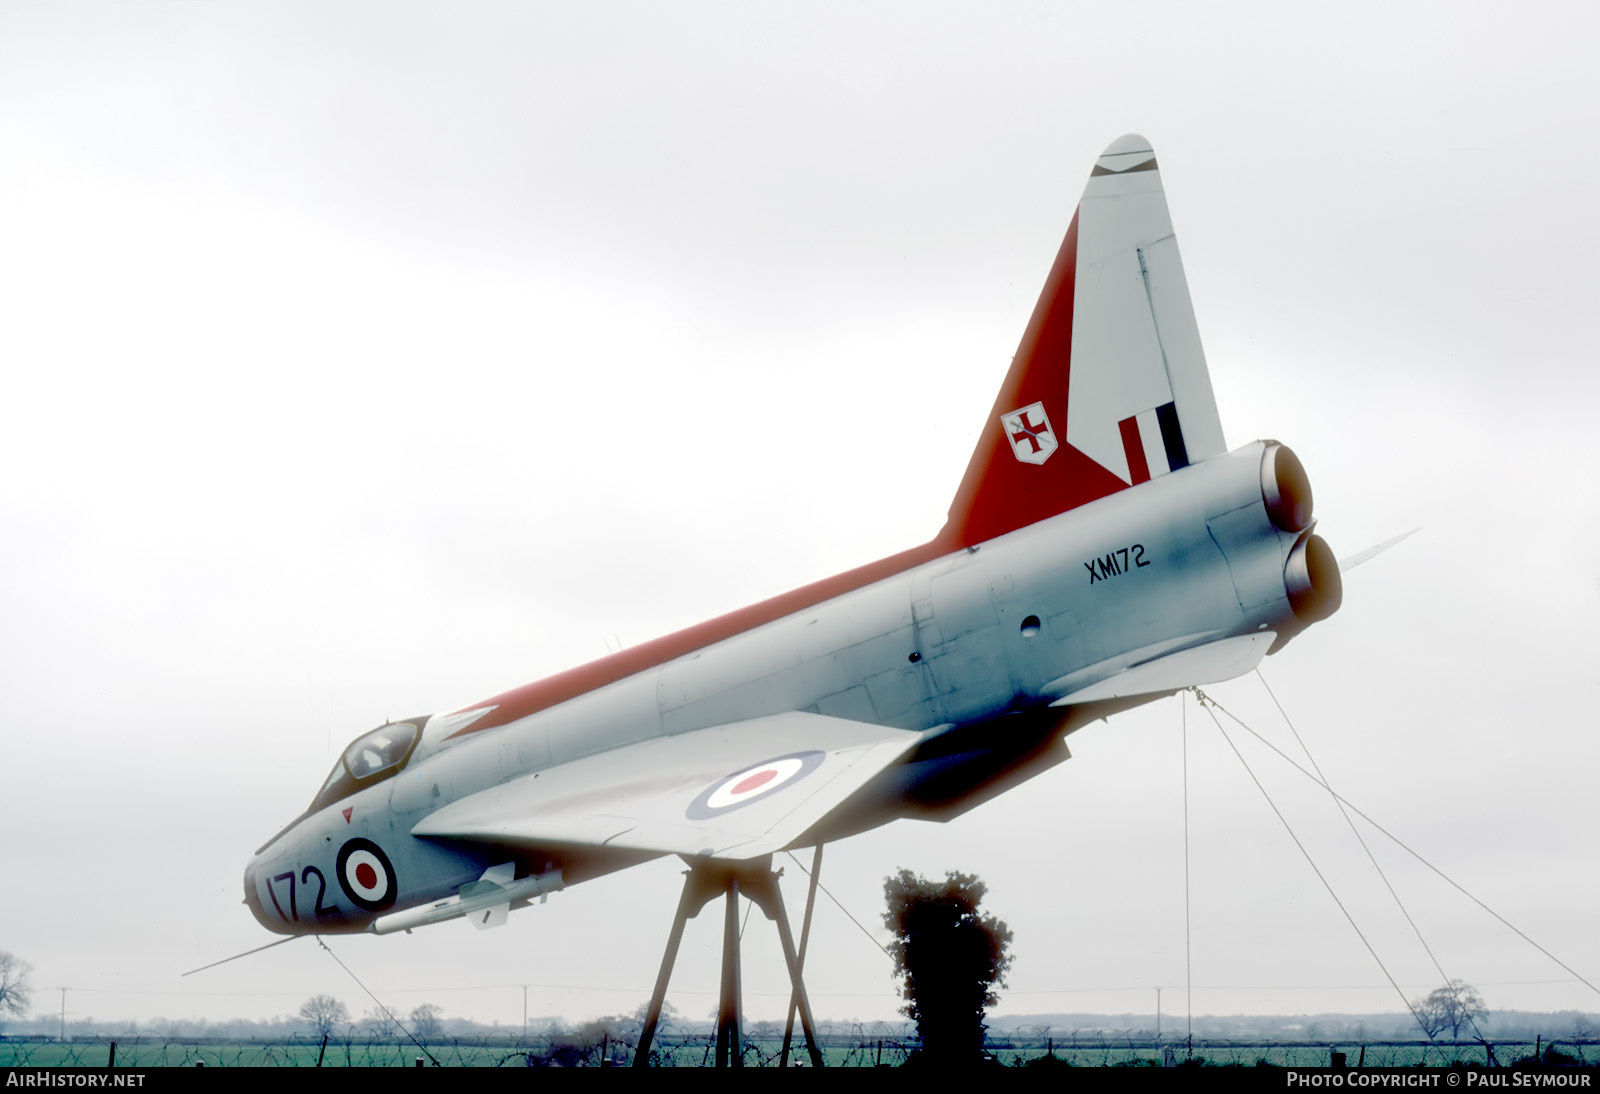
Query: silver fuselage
<point>970,649</point>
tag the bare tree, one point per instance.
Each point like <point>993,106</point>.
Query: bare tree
<point>1455,1005</point>
<point>379,1023</point>
<point>324,1013</point>
<point>425,1020</point>
<point>669,1014</point>
<point>15,991</point>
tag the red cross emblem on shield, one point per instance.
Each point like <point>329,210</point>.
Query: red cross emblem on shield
<point>1028,430</point>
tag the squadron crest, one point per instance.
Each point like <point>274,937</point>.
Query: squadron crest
<point>1028,430</point>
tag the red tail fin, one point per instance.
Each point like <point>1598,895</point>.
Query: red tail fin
<point>1109,387</point>
<point>1021,471</point>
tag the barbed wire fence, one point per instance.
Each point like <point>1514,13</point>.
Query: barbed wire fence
<point>844,1045</point>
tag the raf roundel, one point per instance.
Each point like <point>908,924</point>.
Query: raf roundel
<point>753,783</point>
<point>366,875</point>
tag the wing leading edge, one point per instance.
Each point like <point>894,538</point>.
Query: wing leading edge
<point>735,791</point>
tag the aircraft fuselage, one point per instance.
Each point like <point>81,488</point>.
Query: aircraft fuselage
<point>1001,646</point>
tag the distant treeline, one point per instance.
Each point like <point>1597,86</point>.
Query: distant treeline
<point>1568,1025</point>
<point>1507,1025</point>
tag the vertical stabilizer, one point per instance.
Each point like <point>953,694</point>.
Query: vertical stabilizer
<point>1109,386</point>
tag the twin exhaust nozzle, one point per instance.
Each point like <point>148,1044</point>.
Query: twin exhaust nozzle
<point>1311,575</point>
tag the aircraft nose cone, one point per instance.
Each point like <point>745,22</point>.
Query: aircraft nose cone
<point>266,916</point>
<point>252,897</point>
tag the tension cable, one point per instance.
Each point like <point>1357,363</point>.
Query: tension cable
<point>1356,832</point>
<point>1398,842</point>
<point>375,999</point>
<point>841,907</point>
<point>1205,704</point>
<point>1188,946</point>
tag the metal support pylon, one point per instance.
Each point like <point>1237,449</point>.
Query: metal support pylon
<point>800,958</point>
<point>730,1047</point>
<point>703,882</point>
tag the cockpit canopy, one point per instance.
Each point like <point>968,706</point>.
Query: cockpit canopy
<point>372,757</point>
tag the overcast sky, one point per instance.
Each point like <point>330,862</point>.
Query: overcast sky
<point>363,360</point>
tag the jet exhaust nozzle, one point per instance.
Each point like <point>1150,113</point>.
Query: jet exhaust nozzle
<point>1285,488</point>
<point>1311,577</point>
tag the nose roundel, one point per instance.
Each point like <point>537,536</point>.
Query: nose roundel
<point>366,875</point>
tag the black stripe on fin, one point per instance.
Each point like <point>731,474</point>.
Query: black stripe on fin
<point>1147,165</point>
<point>1172,435</point>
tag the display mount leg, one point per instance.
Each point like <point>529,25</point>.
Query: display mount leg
<point>704,882</point>
<point>762,888</point>
<point>805,938</point>
<point>730,1052</point>
<point>687,909</point>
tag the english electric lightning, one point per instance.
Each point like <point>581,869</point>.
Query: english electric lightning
<point>916,686</point>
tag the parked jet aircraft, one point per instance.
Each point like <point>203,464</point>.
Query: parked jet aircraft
<point>1104,549</point>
